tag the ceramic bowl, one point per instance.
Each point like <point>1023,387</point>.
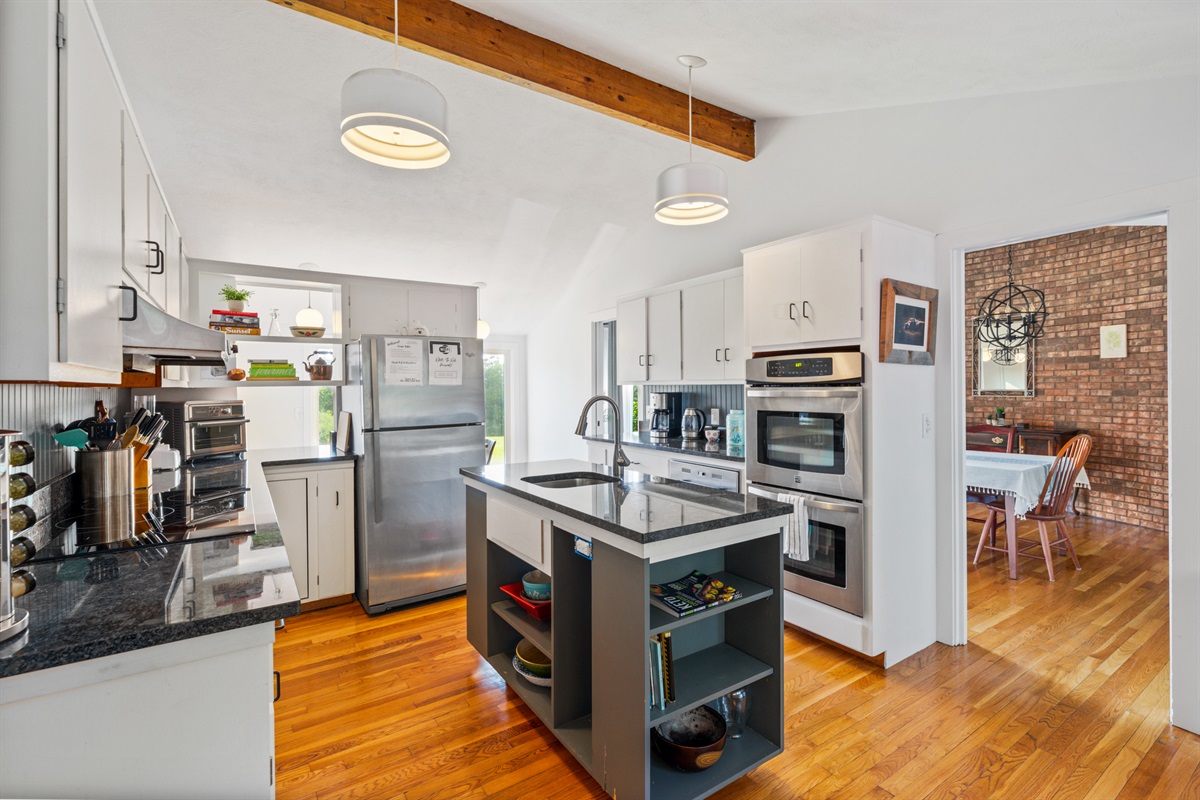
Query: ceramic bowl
<point>693,741</point>
<point>536,585</point>
<point>307,333</point>
<point>713,435</point>
<point>533,659</point>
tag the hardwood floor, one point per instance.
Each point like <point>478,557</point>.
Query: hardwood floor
<point>1062,693</point>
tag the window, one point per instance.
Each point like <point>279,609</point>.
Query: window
<point>494,384</point>
<point>604,376</point>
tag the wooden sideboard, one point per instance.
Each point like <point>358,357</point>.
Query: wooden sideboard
<point>1044,441</point>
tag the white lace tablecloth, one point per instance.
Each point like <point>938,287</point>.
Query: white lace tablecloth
<point>1016,474</point>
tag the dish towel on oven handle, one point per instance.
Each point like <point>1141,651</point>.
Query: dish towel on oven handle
<point>795,540</point>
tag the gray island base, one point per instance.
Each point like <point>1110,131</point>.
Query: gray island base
<point>642,530</point>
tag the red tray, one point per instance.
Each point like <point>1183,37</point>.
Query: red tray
<point>538,609</point>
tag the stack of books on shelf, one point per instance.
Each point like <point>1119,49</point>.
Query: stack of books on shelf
<point>692,593</point>
<point>662,671</point>
<point>241,323</point>
<point>275,369</point>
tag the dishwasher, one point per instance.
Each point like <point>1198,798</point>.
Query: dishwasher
<point>703,475</point>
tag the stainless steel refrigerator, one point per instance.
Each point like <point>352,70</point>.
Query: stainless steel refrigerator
<point>416,405</point>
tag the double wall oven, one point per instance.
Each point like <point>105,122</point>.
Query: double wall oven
<point>804,439</point>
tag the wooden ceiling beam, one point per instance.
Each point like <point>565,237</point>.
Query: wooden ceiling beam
<point>462,36</point>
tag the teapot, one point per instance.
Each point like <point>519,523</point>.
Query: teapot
<point>320,370</point>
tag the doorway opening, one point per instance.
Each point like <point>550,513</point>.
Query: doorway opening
<point>494,395</point>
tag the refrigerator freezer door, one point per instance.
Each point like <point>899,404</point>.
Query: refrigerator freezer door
<point>389,404</point>
<point>412,513</point>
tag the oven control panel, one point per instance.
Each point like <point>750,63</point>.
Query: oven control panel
<point>815,368</point>
<point>800,368</point>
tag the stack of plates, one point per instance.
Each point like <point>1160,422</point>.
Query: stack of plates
<point>532,664</point>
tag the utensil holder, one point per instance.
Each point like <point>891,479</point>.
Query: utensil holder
<point>105,473</point>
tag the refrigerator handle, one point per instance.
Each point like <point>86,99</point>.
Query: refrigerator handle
<point>376,484</point>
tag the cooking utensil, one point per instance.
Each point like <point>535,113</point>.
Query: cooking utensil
<point>72,438</point>
<point>128,436</point>
<point>101,411</point>
<point>138,416</point>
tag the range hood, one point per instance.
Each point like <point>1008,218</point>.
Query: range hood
<point>153,334</point>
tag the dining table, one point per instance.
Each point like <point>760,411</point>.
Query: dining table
<point>1018,478</point>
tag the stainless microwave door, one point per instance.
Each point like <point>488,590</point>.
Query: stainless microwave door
<point>413,512</point>
<point>399,398</point>
<point>831,464</point>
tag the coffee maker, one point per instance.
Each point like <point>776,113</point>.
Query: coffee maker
<point>666,412</point>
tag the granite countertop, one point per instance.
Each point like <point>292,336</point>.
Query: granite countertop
<point>230,574</point>
<point>687,447</point>
<point>643,508</point>
<point>287,456</point>
<point>95,606</point>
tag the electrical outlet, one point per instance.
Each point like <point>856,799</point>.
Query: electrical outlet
<point>926,425</point>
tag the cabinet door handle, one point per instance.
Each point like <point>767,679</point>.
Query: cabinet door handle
<point>278,686</point>
<point>726,353</point>
<point>718,354</point>
<point>641,361</point>
<point>792,311</point>
<point>805,304</point>
<point>649,361</point>
<point>337,497</point>
<point>159,265</point>
<point>135,303</point>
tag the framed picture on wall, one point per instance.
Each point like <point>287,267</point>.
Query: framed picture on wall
<point>907,323</point>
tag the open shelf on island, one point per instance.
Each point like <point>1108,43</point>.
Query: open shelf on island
<point>708,674</point>
<point>536,697</point>
<point>663,621</point>
<point>739,757</point>
<point>536,631</point>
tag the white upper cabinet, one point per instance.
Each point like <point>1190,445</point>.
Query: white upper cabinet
<point>89,268</point>
<point>631,341</point>
<point>394,307</point>
<point>712,332</point>
<point>148,255</point>
<point>805,290</point>
<point>664,353</point>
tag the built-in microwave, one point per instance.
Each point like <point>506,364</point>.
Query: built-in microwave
<point>202,428</point>
<point>804,423</point>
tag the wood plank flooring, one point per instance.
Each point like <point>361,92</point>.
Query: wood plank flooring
<point>1062,693</point>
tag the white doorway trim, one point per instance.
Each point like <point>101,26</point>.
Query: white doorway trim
<point>516,401</point>
<point>1181,200</point>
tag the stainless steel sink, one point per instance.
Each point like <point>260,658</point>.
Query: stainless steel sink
<point>570,480</point>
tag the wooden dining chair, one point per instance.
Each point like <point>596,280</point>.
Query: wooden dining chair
<point>1050,507</point>
<point>992,439</point>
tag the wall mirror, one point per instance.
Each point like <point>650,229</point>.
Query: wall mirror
<point>1002,372</point>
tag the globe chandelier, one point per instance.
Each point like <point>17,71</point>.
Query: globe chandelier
<point>1011,315</point>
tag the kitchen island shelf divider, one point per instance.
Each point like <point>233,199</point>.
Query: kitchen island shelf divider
<point>704,676</point>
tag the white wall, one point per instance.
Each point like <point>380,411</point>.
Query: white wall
<point>942,167</point>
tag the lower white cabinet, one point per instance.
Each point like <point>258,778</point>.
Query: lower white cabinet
<point>314,504</point>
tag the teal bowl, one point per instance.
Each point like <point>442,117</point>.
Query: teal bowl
<point>536,585</point>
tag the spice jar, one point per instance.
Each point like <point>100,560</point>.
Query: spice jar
<point>20,485</point>
<point>20,518</point>
<point>20,454</point>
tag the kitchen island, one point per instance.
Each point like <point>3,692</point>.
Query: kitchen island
<point>146,670</point>
<point>604,542</point>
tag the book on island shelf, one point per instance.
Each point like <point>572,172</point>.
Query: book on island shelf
<point>692,593</point>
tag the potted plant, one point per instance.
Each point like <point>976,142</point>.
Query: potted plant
<point>235,298</point>
<point>999,415</point>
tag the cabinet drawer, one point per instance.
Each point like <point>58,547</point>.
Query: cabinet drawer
<point>517,531</point>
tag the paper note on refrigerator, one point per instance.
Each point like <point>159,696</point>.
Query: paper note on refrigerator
<point>445,363</point>
<point>402,362</point>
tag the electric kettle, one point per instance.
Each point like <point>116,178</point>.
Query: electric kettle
<point>693,423</point>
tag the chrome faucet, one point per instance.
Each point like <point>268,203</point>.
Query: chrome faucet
<point>620,460</point>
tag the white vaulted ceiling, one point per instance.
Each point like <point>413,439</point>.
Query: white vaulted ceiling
<point>238,101</point>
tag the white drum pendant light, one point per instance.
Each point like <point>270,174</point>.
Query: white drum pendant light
<point>693,193</point>
<point>393,118</point>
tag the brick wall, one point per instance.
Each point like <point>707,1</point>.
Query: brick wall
<point>1104,276</point>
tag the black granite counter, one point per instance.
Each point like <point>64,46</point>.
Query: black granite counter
<point>97,606</point>
<point>687,447</point>
<point>288,456</point>
<point>643,508</point>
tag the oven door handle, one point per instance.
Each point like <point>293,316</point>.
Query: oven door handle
<point>214,494</point>
<point>811,502</point>
<point>757,391</point>
<point>208,423</point>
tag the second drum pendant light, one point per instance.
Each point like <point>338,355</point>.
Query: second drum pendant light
<point>693,193</point>
<point>393,118</point>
